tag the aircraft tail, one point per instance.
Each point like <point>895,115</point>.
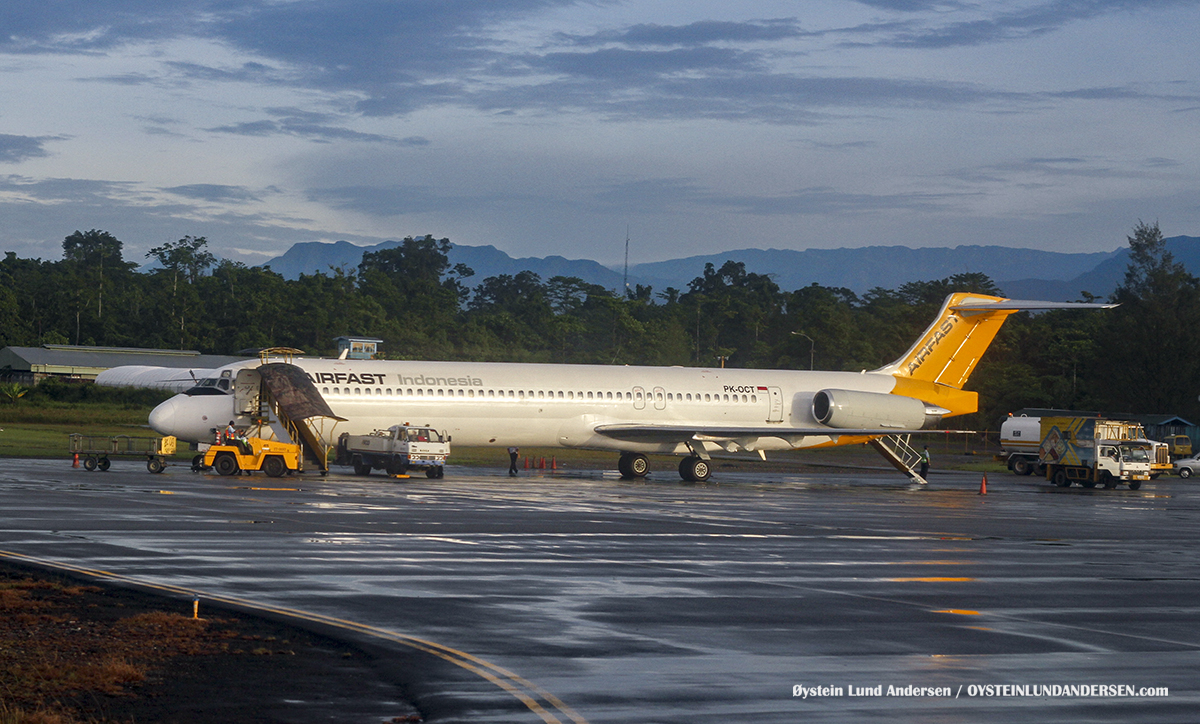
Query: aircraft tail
<point>948,351</point>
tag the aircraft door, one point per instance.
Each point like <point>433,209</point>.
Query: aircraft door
<point>775,396</point>
<point>639,398</point>
<point>246,392</point>
<point>660,398</point>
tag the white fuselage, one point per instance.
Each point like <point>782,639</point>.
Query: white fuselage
<point>542,405</point>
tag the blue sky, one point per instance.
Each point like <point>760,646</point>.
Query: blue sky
<point>549,127</point>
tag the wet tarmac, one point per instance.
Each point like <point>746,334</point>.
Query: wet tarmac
<point>766,598</point>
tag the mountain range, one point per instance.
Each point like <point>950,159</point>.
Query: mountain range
<point>1021,273</point>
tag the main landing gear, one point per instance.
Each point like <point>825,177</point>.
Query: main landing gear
<point>633,465</point>
<point>693,468</point>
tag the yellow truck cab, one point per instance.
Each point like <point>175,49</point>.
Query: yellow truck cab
<point>1180,445</point>
<point>270,456</point>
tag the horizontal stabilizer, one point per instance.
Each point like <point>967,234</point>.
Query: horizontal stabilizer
<point>1026,305</point>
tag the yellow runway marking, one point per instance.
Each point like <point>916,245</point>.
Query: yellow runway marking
<point>929,580</point>
<point>528,693</point>
<point>959,611</point>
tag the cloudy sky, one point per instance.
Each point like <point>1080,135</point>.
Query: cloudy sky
<point>551,126</point>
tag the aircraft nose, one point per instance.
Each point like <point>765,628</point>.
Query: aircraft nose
<point>162,418</point>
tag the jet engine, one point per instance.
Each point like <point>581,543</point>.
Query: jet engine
<point>852,409</point>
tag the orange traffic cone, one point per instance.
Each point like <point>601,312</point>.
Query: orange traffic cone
<point>554,463</point>
<point>526,462</point>
<point>983,485</point>
<point>76,463</point>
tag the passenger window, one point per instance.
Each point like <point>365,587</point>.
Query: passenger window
<point>589,395</point>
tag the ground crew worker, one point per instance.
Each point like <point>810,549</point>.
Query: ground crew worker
<point>233,437</point>
<point>512,461</point>
<point>925,461</point>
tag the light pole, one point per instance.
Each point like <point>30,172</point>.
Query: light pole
<point>811,348</point>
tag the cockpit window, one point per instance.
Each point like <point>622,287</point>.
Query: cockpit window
<point>210,386</point>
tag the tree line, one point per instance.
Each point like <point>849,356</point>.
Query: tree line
<point>1142,357</point>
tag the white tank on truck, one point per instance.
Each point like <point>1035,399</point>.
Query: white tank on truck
<point>1092,451</point>
<point>397,450</point>
<point>1020,438</point>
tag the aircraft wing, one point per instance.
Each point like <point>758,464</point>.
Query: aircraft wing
<point>703,433</point>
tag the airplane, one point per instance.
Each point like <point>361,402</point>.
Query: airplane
<point>637,410</point>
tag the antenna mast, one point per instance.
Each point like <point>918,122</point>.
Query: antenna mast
<point>626,279</point>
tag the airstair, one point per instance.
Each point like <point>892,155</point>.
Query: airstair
<point>898,450</point>
<point>281,397</point>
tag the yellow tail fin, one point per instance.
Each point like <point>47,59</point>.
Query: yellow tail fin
<point>946,354</point>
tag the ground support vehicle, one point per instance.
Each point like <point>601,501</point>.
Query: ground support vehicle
<point>253,454</point>
<point>1160,459</point>
<point>1020,438</point>
<point>1092,451</point>
<point>1180,446</point>
<point>96,450</point>
<point>397,450</point>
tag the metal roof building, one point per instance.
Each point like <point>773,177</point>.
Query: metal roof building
<point>30,364</point>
